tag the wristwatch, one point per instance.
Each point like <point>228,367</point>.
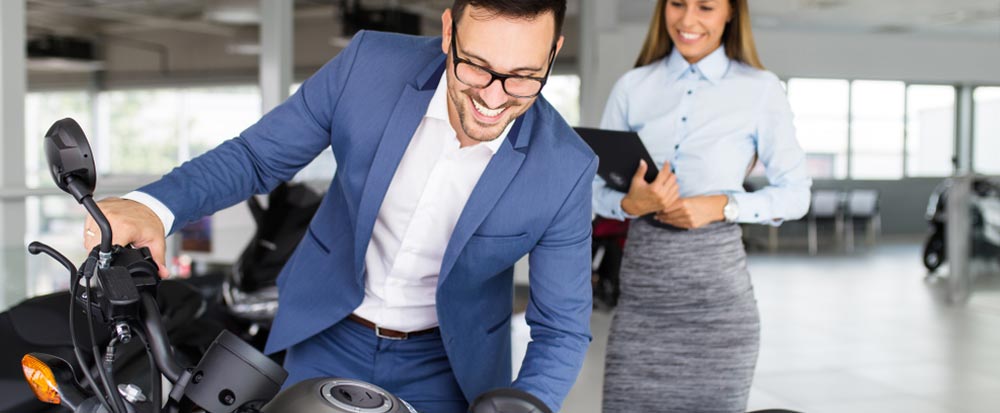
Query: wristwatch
<point>732,209</point>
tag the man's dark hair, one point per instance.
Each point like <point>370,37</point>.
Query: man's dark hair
<point>515,8</point>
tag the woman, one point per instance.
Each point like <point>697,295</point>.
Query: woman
<point>686,332</point>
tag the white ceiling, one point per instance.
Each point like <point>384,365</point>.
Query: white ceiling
<point>964,18</point>
<point>968,18</point>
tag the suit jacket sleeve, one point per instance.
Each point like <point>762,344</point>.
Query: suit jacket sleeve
<point>271,151</point>
<point>561,299</point>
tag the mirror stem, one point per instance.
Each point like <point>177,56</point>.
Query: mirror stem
<point>87,200</point>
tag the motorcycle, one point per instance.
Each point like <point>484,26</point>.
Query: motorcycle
<point>116,288</point>
<point>984,202</point>
<point>249,291</point>
<point>26,327</point>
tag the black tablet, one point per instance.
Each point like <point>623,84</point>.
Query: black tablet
<point>619,154</point>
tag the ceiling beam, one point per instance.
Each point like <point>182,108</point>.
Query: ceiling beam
<point>128,22</point>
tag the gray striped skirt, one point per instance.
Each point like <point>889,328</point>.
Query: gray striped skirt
<point>685,334</point>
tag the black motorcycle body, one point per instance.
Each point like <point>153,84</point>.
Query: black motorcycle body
<point>984,210</point>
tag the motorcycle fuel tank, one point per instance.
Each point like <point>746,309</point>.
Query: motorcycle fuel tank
<point>333,395</point>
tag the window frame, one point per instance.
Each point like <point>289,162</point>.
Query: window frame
<point>906,173</point>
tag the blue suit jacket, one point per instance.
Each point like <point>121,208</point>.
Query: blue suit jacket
<point>533,198</point>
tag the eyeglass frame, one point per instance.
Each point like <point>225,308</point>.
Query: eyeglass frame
<point>494,75</point>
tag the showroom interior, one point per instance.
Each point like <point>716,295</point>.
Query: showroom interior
<point>896,105</point>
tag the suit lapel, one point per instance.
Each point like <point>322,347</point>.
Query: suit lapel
<point>406,117</point>
<point>494,181</point>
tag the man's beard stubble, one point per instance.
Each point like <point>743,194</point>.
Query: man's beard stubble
<point>460,108</point>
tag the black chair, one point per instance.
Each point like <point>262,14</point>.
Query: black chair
<point>862,206</point>
<point>826,206</point>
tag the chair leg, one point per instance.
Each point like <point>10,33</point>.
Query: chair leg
<point>872,222</point>
<point>850,234</point>
<point>838,228</point>
<point>812,237</point>
<point>878,226</point>
<point>597,258</point>
<point>772,238</point>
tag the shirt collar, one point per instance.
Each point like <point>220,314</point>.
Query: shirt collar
<point>438,109</point>
<point>713,67</point>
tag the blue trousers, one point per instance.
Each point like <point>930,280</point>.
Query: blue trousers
<point>416,370</point>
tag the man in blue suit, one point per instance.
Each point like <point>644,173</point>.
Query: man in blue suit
<point>450,168</point>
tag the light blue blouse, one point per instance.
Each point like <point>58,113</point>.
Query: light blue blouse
<point>708,120</point>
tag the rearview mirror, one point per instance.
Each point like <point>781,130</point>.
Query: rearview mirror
<point>71,161</point>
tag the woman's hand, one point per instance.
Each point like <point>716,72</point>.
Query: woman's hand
<point>694,212</point>
<point>645,198</point>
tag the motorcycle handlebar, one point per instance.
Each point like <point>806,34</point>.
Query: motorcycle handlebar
<point>157,335</point>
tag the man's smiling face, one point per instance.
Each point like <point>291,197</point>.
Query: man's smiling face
<point>503,45</point>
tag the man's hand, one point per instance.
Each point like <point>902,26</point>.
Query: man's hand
<point>131,223</point>
<point>644,198</point>
<point>694,212</point>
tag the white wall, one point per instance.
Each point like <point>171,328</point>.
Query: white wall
<point>880,56</point>
<point>611,48</point>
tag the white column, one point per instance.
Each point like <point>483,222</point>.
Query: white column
<point>965,120</point>
<point>608,48</point>
<point>13,84</point>
<point>276,24</point>
<point>957,239</point>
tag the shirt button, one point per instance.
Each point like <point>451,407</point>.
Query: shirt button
<point>684,119</point>
<point>690,92</point>
<point>678,146</point>
<point>692,70</point>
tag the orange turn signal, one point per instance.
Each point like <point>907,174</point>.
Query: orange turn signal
<point>41,379</point>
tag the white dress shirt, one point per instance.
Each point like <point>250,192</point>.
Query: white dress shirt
<point>418,214</point>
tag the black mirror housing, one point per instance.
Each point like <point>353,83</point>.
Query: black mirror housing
<point>71,161</point>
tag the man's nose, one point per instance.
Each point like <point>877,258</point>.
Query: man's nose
<point>493,95</point>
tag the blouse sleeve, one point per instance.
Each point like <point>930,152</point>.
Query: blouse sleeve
<point>787,195</point>
<point>608,202</point>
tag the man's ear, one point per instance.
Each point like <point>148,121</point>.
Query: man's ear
<point>446,31</point>
<point>559,44</point>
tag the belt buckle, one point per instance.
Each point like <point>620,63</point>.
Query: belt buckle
<point>378,333</point>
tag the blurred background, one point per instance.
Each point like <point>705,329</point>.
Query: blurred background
<point>895,103</point>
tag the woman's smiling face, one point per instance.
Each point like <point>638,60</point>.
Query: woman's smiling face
<point>696,26</point>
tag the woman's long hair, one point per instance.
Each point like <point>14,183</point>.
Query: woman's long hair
<point>737,37</point>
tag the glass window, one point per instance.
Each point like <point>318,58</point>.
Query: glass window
<point>56,220</point>
<point>41,110</point>
<point>563,92</point>
<point>930,130</point>
<point>820,107</point>
<point>149,131</point>
<point>877,129</point>
<point>986,132</point>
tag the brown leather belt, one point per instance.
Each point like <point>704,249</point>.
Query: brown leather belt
<point>387,333</point>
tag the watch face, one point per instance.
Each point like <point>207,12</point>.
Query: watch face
<point>731,210</point>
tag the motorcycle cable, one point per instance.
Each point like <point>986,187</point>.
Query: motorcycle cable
<point>155,386</point>
<point>74,286</point>
<point>75,274</point>
<point>116,400</point>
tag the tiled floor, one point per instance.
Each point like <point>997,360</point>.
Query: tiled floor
<point>855,334</point>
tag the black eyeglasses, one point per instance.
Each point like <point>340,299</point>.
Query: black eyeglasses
<point>476,76</point>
